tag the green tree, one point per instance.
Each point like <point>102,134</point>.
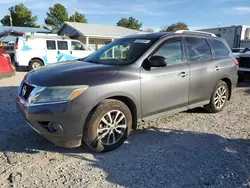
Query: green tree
<point>175,27</point>
<point>78,17</point>
<point>130,23</point>
<point>56,16</point>
<point>20,16</point>
<point>150,30</point>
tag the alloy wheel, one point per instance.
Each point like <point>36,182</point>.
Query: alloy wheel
<point>112,127</point>
<point>220,97</point>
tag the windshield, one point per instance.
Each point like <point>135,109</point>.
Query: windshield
<point>120,52</point>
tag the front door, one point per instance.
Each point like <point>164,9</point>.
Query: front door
<point>165,88</point>
<point>51,52</point>
<point>78,50</point>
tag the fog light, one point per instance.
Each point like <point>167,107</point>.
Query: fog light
<point>53,127</point>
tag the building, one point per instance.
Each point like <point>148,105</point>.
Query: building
<point>236,35</point>
<point>20,29</point>
<point>94,35</point>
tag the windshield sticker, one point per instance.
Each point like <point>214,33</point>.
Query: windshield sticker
<point>142,41</point>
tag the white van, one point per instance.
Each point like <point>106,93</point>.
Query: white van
<point>36,50</point>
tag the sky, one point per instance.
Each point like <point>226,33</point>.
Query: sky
<point>197,14</point>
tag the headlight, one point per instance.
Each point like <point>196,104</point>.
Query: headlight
<point>57,94</point>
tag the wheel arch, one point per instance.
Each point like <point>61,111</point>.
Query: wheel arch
<point>229,84</point>
<point>127,100</point>
<point>36,58</point>
<point>132,107</point>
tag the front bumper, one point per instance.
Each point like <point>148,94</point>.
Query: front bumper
<point>69,132</point>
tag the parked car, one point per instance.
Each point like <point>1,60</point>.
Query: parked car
<point>6,68</point>
<point>36,50</point>
<point>9,47</point>
<point>244,66</point>
<point>239,51</point>
<point>99,101</point>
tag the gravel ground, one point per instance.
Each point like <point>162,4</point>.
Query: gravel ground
<point>190,149</point>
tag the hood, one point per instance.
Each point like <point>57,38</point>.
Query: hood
<point>71,73</point>
<point>246,54</point>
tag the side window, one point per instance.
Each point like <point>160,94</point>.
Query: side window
<point>76,46</point>
<point>62,45</point>
<point>51,45</point>
<point>219,48</point>
<point>172,51</point>
<point>198,49</point>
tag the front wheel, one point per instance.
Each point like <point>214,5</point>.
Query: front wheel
<point>35,64</point>
<point>219,98</point>
<point>108,127</point>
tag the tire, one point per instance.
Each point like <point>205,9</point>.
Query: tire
<point>34,64</point>
<point>97,133</point>
<point>214,105</point>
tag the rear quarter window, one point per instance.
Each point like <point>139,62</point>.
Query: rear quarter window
<point>219,48</point>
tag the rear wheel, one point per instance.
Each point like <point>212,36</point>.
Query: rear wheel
<point>108,127</point>
<point>219,98</point>
<point>34,64</point>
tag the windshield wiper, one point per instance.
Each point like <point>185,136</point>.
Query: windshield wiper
<point>92,61</point>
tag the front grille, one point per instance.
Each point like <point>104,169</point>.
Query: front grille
<point>26,90</point>
<point>244,62</point>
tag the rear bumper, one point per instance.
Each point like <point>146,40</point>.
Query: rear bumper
<point>7,75</point>
<point>15,63</point>
<point>68,134</point>
<point>244,72</point>
<point>242,69</point>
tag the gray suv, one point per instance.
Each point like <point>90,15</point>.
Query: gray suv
<point>99,100</point>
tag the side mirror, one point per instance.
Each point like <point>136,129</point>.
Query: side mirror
<point>157,61</point>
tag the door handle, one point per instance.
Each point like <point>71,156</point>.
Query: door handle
<point>70,52</point>
<point>58,52</point>
<point>183,74</point>
<point>217,68</point>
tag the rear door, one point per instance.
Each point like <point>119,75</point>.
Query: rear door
<point>78,50</point>
<point>51,52</point>
<point>204,69</point>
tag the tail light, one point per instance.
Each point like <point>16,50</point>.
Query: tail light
<point>25,76</point>
<point>5,55</point>
<point>16,44</point>
<point>236,62</point>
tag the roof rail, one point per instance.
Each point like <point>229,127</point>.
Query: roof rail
<point>40,34</point>
<point>46,36</point>
<point>198,32</point>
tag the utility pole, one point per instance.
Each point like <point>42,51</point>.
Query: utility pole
<point>10,19</point>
